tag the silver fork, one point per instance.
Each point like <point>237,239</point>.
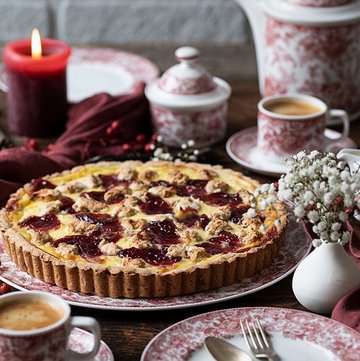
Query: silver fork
<point>257,341</point>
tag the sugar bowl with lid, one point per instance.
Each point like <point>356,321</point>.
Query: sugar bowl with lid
<point>187,103</point>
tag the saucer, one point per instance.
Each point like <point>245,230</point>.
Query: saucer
<point>93,70</point>
<point>82,341</point>
<point>242,148</point>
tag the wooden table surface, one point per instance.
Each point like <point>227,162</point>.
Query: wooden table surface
<point>128,332</point>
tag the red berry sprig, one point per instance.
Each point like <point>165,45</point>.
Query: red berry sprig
<point>4,288</point>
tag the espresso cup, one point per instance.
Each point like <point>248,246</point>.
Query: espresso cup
<point>290,123</point>
<point>35,326</point>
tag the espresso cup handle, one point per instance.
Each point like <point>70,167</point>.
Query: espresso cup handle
<point>89,324</point>
<point>340,114</point>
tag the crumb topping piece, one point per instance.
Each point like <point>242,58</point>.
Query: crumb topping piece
<point>216,226</point>
<point>84,204</point>
<point>66,249</point>
<point>216,186</point>
<point>162,191</point>
<point>178,178</point>
<point>223,213</point>
<point>109,248</point>
<point>127,173</point>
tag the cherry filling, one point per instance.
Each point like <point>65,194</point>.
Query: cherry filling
<point>109,180</point>
<point>237,214</point>
<point>43,223</point>
<point>155,257</point>
<point>155,205</point>
<point>40,183</point>
<point>196,220</point>
<point>159,183</point>
<point>108,229</point>
<point>99,196</point>
<point>223,243</point>
<point>108,226</point>
<point>194,187</point>
<point>222,199</point>
<point>104,221</point>
<point>88,245</point>
<point>163,232</point>
<point>66,205</point>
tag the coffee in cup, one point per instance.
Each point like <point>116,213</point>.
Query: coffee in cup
<point>292,107</point>
<point>290,123</point>
<point>35,326</point>
<point>29,315</point>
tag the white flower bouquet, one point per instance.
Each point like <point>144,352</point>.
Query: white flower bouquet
<point>322,191</point>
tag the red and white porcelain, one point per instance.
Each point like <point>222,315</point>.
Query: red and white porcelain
<point>307,49</point>
<point>50,342</point>
<point>295,335</point>
<point>280,136</point>
<point>187,103</point>
<point>242,148</point>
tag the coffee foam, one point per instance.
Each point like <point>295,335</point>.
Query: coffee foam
<point>28,315</point>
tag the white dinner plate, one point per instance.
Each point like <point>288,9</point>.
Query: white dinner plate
<point>296,246</point>
<point>94,70</point>
<point>295,336</point>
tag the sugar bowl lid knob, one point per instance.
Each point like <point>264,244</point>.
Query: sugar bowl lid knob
<point>188,77</point>
<point>187,54</point>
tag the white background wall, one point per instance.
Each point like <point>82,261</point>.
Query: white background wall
<point>126,21</point>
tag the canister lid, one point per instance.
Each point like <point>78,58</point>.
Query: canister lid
<point>187,84</point>
<point>187,77</point>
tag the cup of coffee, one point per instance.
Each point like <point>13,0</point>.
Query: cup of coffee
<point>35,326</point>
<point>290,123</point>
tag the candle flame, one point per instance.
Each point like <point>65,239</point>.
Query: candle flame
<point>36,51</point>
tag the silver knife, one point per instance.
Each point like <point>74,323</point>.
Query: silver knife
<point>223,350</point>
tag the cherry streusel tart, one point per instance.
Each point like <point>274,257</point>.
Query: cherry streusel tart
<point>132,229</point>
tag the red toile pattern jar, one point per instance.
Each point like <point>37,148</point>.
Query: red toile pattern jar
<point>187,103</point>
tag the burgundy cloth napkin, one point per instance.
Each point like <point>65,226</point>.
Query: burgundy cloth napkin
<point>347,310</point>
<point>97,125</point>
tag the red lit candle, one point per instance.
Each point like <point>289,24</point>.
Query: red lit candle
<point>36,79</point>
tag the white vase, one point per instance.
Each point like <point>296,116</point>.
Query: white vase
<point>323,277</point>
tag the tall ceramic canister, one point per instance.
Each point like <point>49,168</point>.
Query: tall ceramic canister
<point>188,103</point>
<point>308,46</point>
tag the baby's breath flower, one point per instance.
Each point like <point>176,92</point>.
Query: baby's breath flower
<point>251,213</point>
<point>316,242</point>
<point>308,196</point>
<point>313,216</point>
<point>299,211</point>
<point>335,226</point>
<point>323,192</point>
<point>343,216</point>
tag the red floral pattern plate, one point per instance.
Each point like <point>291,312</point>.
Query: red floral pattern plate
<point>242,148</point>
<point>94,70</point>
<point>295,335</point>
<point>295,248</point>
<point>82,341</point>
